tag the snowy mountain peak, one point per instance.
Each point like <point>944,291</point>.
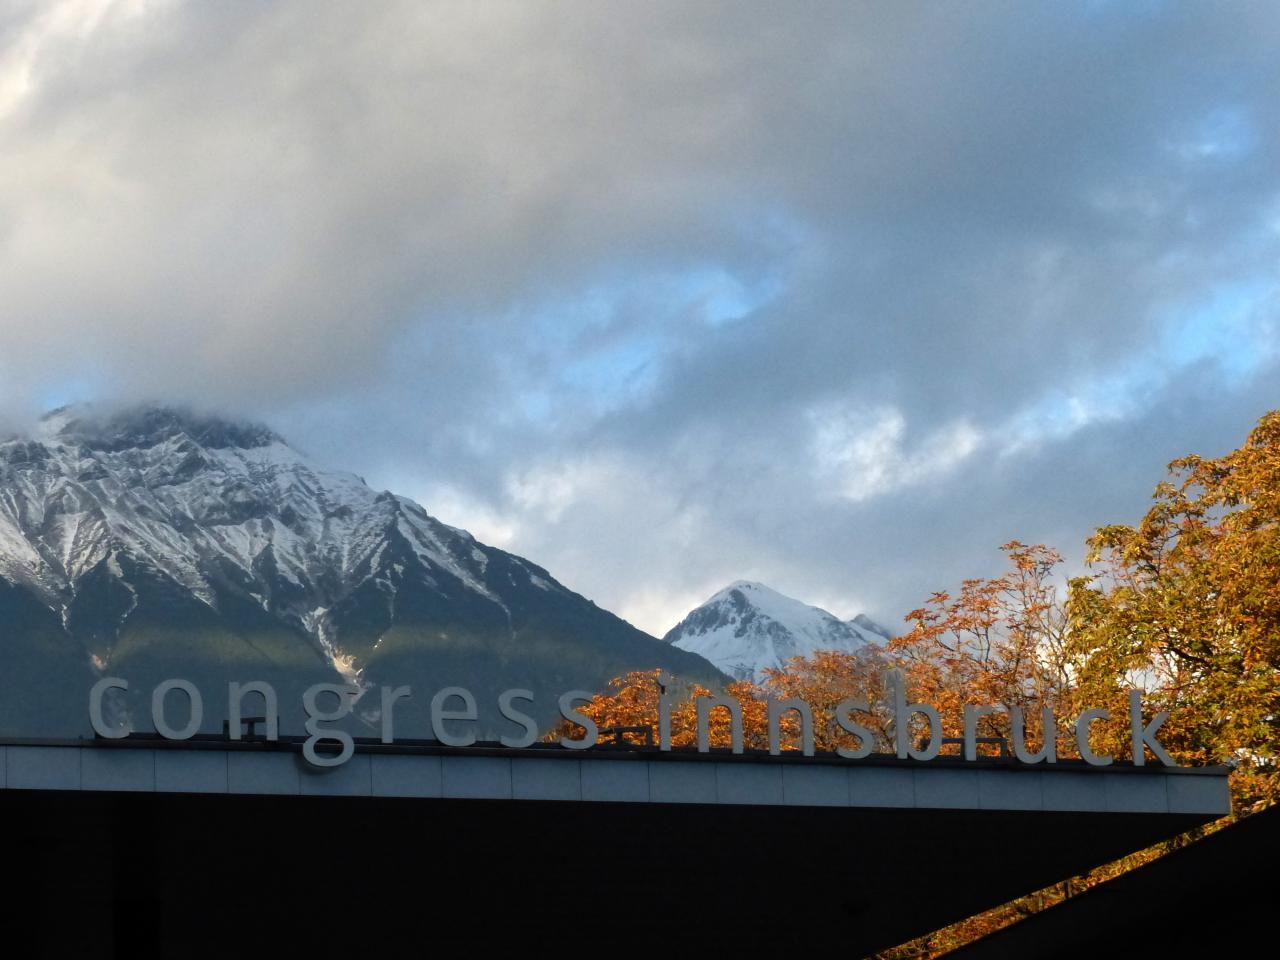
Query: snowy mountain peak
<point>212,505</point>
<point>749,627</point>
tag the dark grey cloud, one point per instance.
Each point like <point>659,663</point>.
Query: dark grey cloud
<point>838,297</point>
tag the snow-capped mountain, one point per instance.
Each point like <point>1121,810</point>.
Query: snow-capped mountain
<point>155,543</point>
<point>747,627</point>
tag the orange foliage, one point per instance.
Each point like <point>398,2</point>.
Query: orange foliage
<point>634,702</point>
<point>825,680</point>
<point>822,682</point>
<point>1000,641</point>
<point>1188,607</point>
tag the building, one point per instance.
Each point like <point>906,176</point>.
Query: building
<point>162,847</point>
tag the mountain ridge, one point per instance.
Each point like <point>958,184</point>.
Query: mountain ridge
<point>159,540</point>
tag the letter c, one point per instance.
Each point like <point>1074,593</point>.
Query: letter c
<point>1082,737</point>
<point>95,708</point>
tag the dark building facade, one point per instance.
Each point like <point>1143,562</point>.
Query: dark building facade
<point>184,848</point>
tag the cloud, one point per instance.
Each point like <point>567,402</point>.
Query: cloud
<point>663,295</point>
<point>863,450</point>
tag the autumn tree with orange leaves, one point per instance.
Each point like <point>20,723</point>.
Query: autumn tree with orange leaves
<point>999,641</point>
<point>633,702</point>
<point>1187,606</point>
<point>826,679</point>
<point>822,682</point>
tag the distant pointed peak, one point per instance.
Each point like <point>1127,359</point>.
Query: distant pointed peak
<point>748,627</point>
<point>145,425</point>
<point>872,626</point>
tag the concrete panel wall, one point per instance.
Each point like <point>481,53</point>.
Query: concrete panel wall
<point>522,776</point>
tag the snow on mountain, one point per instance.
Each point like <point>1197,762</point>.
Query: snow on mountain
<point>155,542</point>
<point>189,495</point>
<point>748,627</point>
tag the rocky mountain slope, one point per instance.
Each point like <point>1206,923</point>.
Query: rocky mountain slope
<point>748,627</point>
<point>154,543</point>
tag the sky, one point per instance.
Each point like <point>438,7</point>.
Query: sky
<point>835,296</point>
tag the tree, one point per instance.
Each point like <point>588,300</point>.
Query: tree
<point>1188,606</point>
<point>821,682</point>
<point>633,701</point>
<point>1000,641</point>
<point>827,678</point>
